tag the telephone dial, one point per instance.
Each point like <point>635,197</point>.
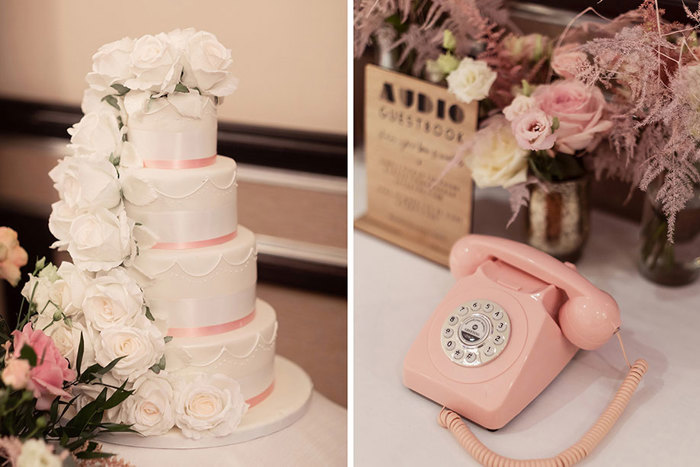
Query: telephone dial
<point>510,324</point>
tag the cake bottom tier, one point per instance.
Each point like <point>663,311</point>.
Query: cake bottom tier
<point>246,354</point>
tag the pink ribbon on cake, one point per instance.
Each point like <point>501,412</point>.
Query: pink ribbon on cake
<point>180,164</point>
<point>197,244</point>
<point>255,400</point>
<point>211,330</point>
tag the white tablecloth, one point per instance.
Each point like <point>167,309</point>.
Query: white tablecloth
<point>317,439</point>
<point>395,293</point>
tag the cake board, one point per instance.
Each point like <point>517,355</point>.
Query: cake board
<point>287,403</point>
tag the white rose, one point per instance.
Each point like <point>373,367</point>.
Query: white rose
<point>150,409</point>
<point>74,282</point>
<point>35,452</point>
<point>111,61</point>
<point>60,220</point>
<point>209,405</point>
<point>471,81</point>
<point>86,183</point>
<point>67,339</point>
<point>495,158</point>
<point>140,346</point>
<point>178,37</point>
<point>154,64</point>
<point>101,240</point>
<point>206,62</point>
<point>97,135</point>
<point>42,291</point>
<point>521,105</point>
<point>113,298</point>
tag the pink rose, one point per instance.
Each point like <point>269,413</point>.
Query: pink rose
<point>580,110</point>
<point>16,373</point>
<point>51,368</point>
<point>567,60</point>
<point>533,130</point>
<point>12,256</point>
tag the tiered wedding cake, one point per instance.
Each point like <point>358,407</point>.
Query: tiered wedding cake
<point>162,275</point>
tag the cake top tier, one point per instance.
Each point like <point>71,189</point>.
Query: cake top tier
<point>162,92</point>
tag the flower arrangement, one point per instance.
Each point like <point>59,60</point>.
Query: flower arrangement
<point>39,374</point>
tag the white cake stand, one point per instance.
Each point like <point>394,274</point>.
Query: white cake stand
<point>285,405</point>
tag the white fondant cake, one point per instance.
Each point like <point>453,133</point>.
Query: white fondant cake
<point>148,213</point>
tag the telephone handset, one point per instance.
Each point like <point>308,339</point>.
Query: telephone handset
<point>513,320</point>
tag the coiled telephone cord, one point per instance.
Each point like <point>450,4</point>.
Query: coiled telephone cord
<point>453,422</point>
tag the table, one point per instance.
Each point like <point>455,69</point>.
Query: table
<point>317,439</point>
<point>396,291</point>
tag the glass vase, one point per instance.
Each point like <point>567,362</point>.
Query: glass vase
<point>558,217</point>
<point>661,261</point>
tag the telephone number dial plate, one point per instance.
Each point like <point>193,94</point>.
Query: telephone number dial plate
<point>475,333</point>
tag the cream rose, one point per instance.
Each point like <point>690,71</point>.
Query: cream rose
<point>520,105</point>
<point>155,65</point>
<point>150,409</point>
<point>35,452</point>
<point>494,158</point>
<point>205,64</point>
<point>141,346</point>
<point>97,135</point>
<point>110,64</point>
<point>112,298</point>
<point>42,291</point>
<point>86,184</point>
<point>101,240</point>
<point>60,221</point>
<point>67,339</point>
<point>471,80</point>
<point>209,405</point>
<point>72,287</point>
<point>580,110</point>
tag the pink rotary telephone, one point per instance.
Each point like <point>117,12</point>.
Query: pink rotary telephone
<point>507,328</point>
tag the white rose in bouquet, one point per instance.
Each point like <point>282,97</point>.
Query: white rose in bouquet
<point>113,298</point>
<point>154,64</point>
<point>86,184</point>
<point>97,135</point>
<point>150,410</point>
<point>60,220</point>
<point>494,157</point>
<point>209,405</point>
<point>110,64</point>
<point>72,287</point>
<point>178,37</point>
<point>35,452</point>
<point>67,338</point>
<point>471,81</point>
<point>141,347</point>
<point>41,291</point>
<point>520,105</point>
<point>100,240</point>
<point>205,64</point>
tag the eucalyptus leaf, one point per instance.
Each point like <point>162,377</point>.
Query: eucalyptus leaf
<point>155,368</point>
<point>111,100</point>
<point>149,315</point>
<point>121,89</point>
<point>167,339</point>
<point>179,87</point>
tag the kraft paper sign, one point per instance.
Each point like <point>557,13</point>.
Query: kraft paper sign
<point>412,131</point>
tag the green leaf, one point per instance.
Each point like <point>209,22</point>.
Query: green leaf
<point>149,315</point>
<point>117,398</point>
<point>111,100</point>
<point>155,368</point>
<point>179,87</point>
<point>161,363</point>
<point>93,371</point>
<point>28,354</point>
<point>93,455</point>
<point>121,89</point>
<point>79,357</point>
<point>167,339</point>
<point>116,427</point>
<point>555,124</point>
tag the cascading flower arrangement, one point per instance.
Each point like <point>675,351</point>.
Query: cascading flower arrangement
<point>40,374</point>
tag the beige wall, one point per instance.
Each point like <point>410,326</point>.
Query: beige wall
<point>290,55</point>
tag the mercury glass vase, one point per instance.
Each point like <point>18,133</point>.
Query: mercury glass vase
<point>558,217</point>
<point>660,260</point>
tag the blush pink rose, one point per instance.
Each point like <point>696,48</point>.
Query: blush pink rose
<point>12,256</point>
<point>51,368</point>
<point>567,60</point>
<point>533,130</point>
<point>16,373</point>
<point>580,110</point>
